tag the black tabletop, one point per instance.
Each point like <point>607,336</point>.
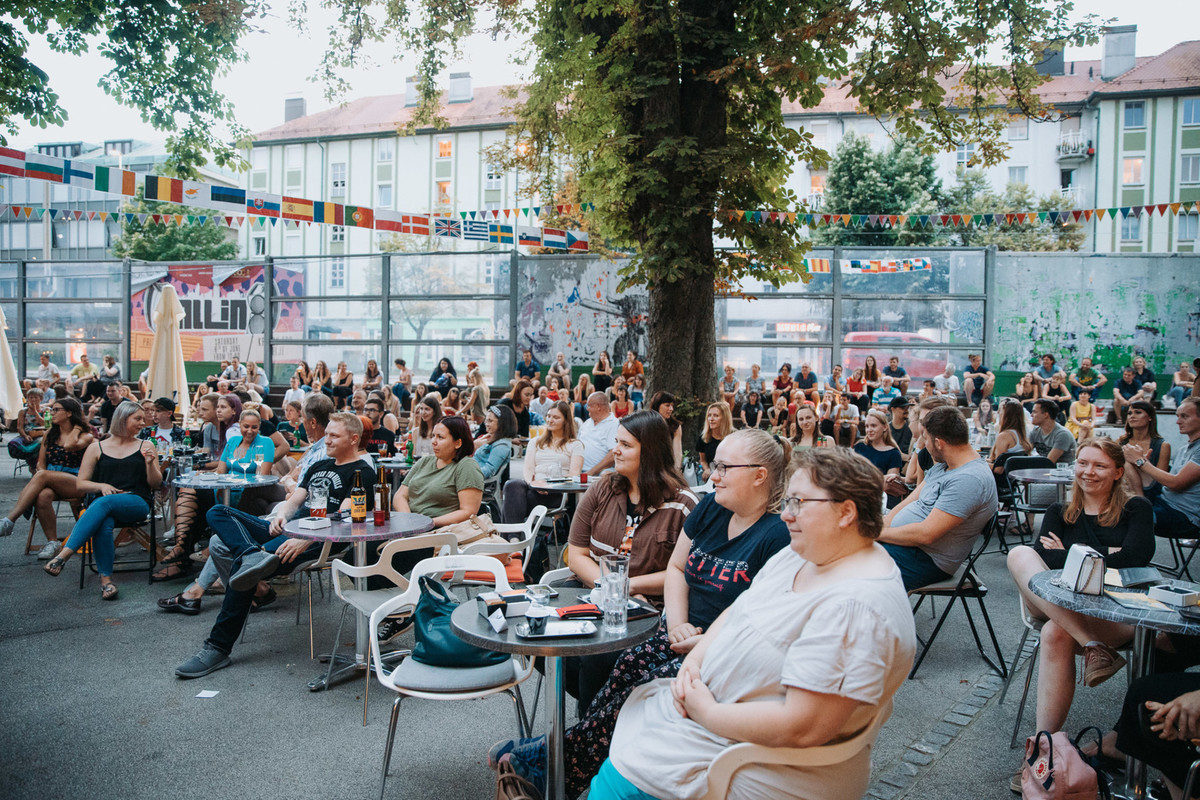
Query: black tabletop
<point>470,626</point>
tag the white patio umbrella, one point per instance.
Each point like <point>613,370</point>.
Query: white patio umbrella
<point>168,375</point>
<point>11,397</point>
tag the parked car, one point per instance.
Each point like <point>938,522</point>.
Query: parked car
<point>919,363</point>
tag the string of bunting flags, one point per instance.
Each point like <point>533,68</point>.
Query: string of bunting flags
<point>236,207</point>
<point>959,220</point>
<point>868,267</point>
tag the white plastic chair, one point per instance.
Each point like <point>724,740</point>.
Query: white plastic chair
<point>366,601</point>
<point>733,758</point>
<point>413,679</point>
<point>528,531</point>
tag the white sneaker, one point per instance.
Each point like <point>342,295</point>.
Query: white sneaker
<point>49,550</point>
<point>6,526</point>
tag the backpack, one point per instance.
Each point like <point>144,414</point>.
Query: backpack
<point>1056,769</point>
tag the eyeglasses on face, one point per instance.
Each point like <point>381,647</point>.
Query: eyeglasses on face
<point>719,468</point>
<point>792,505</point>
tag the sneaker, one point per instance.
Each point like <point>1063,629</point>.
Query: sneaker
<point>1014,783</point>
<point>49,550</point>
<point>506,746</point>
<point>6,526</point>
<point>1100,662</point>
<point>255,566</point>
<point>529,761</point>
<point>206,661</point>
<point>200,557</point>
<point>392,627</point>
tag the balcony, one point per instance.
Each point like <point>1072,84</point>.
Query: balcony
<point>1074,148</point>
<point>1072,194</point>
<point>813,202</point>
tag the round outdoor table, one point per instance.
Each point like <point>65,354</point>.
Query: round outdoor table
<point>399,525</point>
<point>471,627</point>
<point>1146,623</point>
<point>1060,480</point>
<point>223,483</point>
<point>565,487</point>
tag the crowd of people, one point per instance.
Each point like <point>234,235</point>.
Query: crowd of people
<point>782,577</point>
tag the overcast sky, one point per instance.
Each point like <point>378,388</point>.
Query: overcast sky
<point>281,60</point>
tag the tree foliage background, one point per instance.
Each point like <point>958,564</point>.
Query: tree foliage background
<point>158,241</point>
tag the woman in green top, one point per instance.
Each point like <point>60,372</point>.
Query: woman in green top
<point>446,485</point>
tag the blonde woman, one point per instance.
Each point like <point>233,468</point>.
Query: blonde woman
<point>475,407</point>
<point>718,423</point>
<point>555,455</point>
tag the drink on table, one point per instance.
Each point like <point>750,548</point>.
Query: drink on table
<point>408,448</point>
<point>258,456</point>
<point>358,499</point>
<point>318,500</point>
<point>614,593</point>
<point>382,499</point>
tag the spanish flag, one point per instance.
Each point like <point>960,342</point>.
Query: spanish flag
<point>297,208</point>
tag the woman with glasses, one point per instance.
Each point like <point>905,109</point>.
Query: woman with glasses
<point>58,463</point>
<point>811,653</point>
<point>726,540</point>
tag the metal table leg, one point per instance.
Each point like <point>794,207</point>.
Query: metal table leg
<point>555,714</point>
<point>1141,663</point>
<point>346,667</point>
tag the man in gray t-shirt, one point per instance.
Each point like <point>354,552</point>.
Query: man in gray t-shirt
<point>931,533</point>
<point>1049,438</point>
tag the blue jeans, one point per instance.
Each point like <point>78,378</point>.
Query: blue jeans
<point>974,390</point>
<point>609,784</point>
<point>97,523</point>
<point>916,567</point>
<point>1178,393</point>
<point>401,393</point>
<point>242,533</point>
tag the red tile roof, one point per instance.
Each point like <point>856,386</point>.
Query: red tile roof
<point>1177,69</point>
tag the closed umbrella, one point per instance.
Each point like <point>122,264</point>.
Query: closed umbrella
<point>168,375</point>
<point>11,397</point>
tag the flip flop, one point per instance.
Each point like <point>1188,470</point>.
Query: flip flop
<point>108,591</point>
<point>54,567</point>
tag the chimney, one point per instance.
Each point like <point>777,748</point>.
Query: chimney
<point>460,87</point>
<point>1119,51</point>
<point>1052,62</point>
<point>410,92</point>
<point>294,108</point>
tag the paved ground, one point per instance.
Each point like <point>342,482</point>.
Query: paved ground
<point>91,708</point>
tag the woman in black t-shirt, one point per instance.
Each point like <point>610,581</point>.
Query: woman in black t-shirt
<point>725,541</point>
<point>718,423</point>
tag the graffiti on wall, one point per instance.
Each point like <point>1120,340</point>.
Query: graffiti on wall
<point>1105,308</point>
<point>572,306</point>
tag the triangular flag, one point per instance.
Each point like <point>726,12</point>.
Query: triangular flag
<point>1175,207</point>
<point>1087,214</point>
<point>1053,216</point>
<point>273,221</point>
<point>1162,209</point>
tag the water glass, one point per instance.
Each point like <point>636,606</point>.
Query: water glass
<point>318,499</point>
<point>538,611</point>
<point>614,593</point>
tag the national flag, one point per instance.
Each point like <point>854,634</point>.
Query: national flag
<point>12,162</point>
<point>529,236</point>
<point>417,224</point>
<point>817,264</point>
<point>262,204</point>
<point>78,173</point>
<point>500,234</point>
<point>296,208</point>
<point>577,241</point>
<point>329,213</point>
<point>222,198</point>
<point>167,190</point>
<point>45,168</point>
<point>475,230</point>
<point>194,192</point>
<point>451,228</point>
<point>554,237</point>
<point>389,221</point>
<point>359,217</point>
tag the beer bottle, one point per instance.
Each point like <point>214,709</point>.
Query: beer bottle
<point>383,499</point>
<point>358,499</point>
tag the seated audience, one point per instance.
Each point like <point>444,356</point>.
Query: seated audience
<point>621,404</point>
<point>235,373</point>
<point>805,386</point>
<point>807,433</point>
<point>528,370</point>
<point>1057,391</point>
<point>860,396</point>
<point>602,372</point>
<point>1126,390</point>
<point>1141,431</point>
<point>783,384</point>
<point>1103,516</point>
<point>737,526</point>
<point>164,430</point>
<point>598,434</point>
<point>845,422</point>
<point>294,393</point>
<point>561,370</point>
<point>752,411</point>
<point>47,371</point>
<point>402,388</point>
<point>1010,440</point>
<point>978,380</point>
<point>637,391</point>
<point>556,454</point>
<point>1159,724</point>
<point>1181,383</point>
<point>59,457</point>
<point>664,404</point>
<point>518,400</point>
<point>727,387</point>
<point>718,424</point>
<point>1086,378</point>
<point>1028,391</point>
<point>810,654</point>
<point>258,550</point>
<point>321,380</point>
<point>381,440</point>
<point>372,377</point>
<point>928,389</point>
<point>631,367</point>
<point>1045,371</point>
<point>542,401</point>
<point>31,427</point>
<point>946,384</point>
<point>932,530</point>
<point>1081,417</point>
<point>292,427</point>
<point>391,409</point>
<point>1177,506</point>
<point>476,396</point>
<point>901,433</point>
<point>1145,377</point>
<point>256,380</point>
<point>1049,439</point>
<point>982,418</point>
<point>428,414</point>
<point>885,394</point>
<point>443,377</point>
<point>342,385</point>
<point>872,376</point>
<point>85,380</point>
<point>452,404</point>
<point>122,472</point>
<point>878,447</point>
<point>493,455</point>
<point>835,382</point>
<point>755,382</point>
<point>897,373</point>
<point>579,395</point>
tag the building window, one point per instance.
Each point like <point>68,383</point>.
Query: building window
<point>491,205</point>
<point>293,157</point>
<point>337,179</point>
<point>1189,169</point>
<point>1018,128</point>
<point>258,245</point>
<point>1191,111</point>
<point>1135,114</point>
<point>445,148</point>
<point>1018,175</point>
<point>494,178</point>
<point>1131,229</point>
<point>385,196</point>
<point>337,234</point>
<point>1132,173</point>
<point>443,193</point>
<point>1188,225</point>
<point>61,150</point>
<point>384,149</point>
<point>816,183</point>
<point>114,146</point>
<point>966,154</point>
<point>820,134</point>
<point>337,273</point>
<point>259,159</point>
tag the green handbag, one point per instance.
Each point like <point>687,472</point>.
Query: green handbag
<point>437,645</point>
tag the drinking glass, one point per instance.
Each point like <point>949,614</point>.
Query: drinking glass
<point>259,457</point>
<point>614,593</point>
<point>318,499</point>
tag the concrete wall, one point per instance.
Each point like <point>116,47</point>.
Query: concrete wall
<point>1107,307</point>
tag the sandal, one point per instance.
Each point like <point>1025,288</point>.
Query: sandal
<point>55,566</point>
<point>171,567</point>
<point>108,591</point>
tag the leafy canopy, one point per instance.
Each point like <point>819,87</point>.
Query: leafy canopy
<point>973,195</point>
<point>165,54</point>
<point>156,241</point>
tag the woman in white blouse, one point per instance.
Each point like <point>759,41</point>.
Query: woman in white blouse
<point>557,454</point>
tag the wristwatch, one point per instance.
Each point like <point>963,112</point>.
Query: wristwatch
<point>1141,462</point>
